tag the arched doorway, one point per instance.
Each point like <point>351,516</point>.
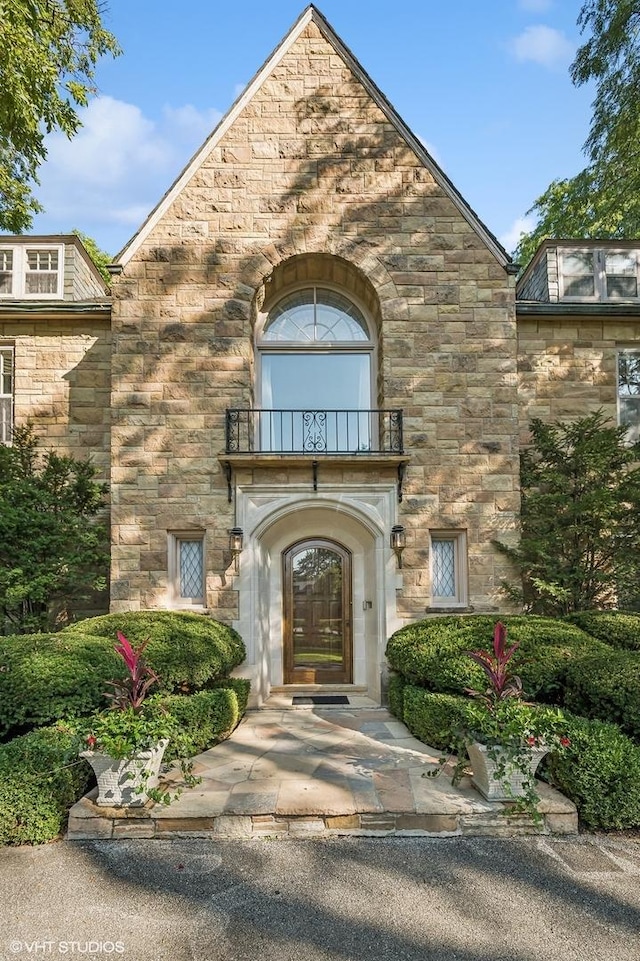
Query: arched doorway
<point>317,613</point>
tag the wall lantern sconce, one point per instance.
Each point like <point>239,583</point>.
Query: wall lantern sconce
<point>398,542</point>
<point>236,539</point>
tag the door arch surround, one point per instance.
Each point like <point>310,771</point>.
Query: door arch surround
<point>274,516</point>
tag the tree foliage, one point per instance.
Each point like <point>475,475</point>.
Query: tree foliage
<point>580,545</point>
<point>603,200</point>
<point>48,52</point>
<point>100,257</point>
<point>53,549</point>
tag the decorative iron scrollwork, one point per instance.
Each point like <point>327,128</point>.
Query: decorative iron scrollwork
<point>314,439</point>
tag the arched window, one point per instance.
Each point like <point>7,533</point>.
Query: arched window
<point>315,374</point>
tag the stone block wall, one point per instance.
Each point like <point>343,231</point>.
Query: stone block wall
<point>311,165</point>
<point>568,366</point>
<point>62,382</point>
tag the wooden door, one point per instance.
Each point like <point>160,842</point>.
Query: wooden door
<point>317,613</point>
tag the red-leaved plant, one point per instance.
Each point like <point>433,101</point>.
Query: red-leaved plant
<point>502,683</point>
<point>131,691</point>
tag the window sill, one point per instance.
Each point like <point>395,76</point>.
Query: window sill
<point>449,609</point>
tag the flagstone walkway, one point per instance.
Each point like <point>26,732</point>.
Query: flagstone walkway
<point>319,772</point>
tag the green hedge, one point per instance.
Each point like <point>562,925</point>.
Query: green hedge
<point>189,651</point>
<point>600,773</point>
<point>618,628</point>
<point>38,782</point>
<point>37,785</point>
<point>44,677</point>
<point>205,718</point>
<point>431,653</point>
<point>395,695</point>
<point>433,718</point>
<point>607,688</point>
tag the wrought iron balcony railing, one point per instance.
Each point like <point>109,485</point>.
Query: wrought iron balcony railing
<point>314,431</point>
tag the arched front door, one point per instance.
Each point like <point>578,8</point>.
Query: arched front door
<point>317,613</point>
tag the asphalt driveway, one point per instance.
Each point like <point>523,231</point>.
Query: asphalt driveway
<point>358,899</point>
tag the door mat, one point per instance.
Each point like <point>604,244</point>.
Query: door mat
<point>320,699</point>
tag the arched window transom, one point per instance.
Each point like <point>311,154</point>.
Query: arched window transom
<point>316,315</point>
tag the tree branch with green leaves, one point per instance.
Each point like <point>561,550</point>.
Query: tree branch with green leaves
<point>603,200</point>
<point>48,53</point>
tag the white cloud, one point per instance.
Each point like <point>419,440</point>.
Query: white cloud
<point>113,172</point>
<point>522,225</point>
<point>543,45</point>
<point>431,149</point>
<point>535,6</point>
<point>191,122</point>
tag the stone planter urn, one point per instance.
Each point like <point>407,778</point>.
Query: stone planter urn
<point>125,782</point>
<point>503,778</point>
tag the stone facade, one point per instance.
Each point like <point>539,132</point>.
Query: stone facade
<point>311,165</point>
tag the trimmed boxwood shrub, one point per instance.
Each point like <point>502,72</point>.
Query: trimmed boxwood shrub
<point>607,688</point>
<point>189,651</point>
<point>44,677</point>
<point>395,695</point>
<point>204,718</point>
<point>618,628</point>
<point>600,773</point>
<point>38,785</point>
<point>431,653</point>
<point>433,718</point>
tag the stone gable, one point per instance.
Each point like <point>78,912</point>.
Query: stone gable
<point>311,165</point>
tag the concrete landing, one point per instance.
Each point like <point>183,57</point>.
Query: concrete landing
<point>319,773</point>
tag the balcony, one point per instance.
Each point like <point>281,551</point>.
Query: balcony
<point>336,433</point>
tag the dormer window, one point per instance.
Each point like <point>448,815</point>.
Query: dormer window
<point>32,271</point>
<point>598,274</point>
<point>621,275</point>
<point>578,274</point>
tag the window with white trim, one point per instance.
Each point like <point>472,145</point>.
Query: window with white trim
<point>599,274</point>
<point>6,394</point>
<point>32,271</point>
<point>629,392</point>
<point>187,568</point>
<point>314,392</point>
<point>448,569</point>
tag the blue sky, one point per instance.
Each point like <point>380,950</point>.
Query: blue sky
<point>484,83</point>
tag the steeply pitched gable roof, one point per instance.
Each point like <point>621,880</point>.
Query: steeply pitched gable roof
<point>312,14</point>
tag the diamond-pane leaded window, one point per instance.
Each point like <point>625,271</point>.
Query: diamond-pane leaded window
<point>444,568</point>
<point>191,568</point>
